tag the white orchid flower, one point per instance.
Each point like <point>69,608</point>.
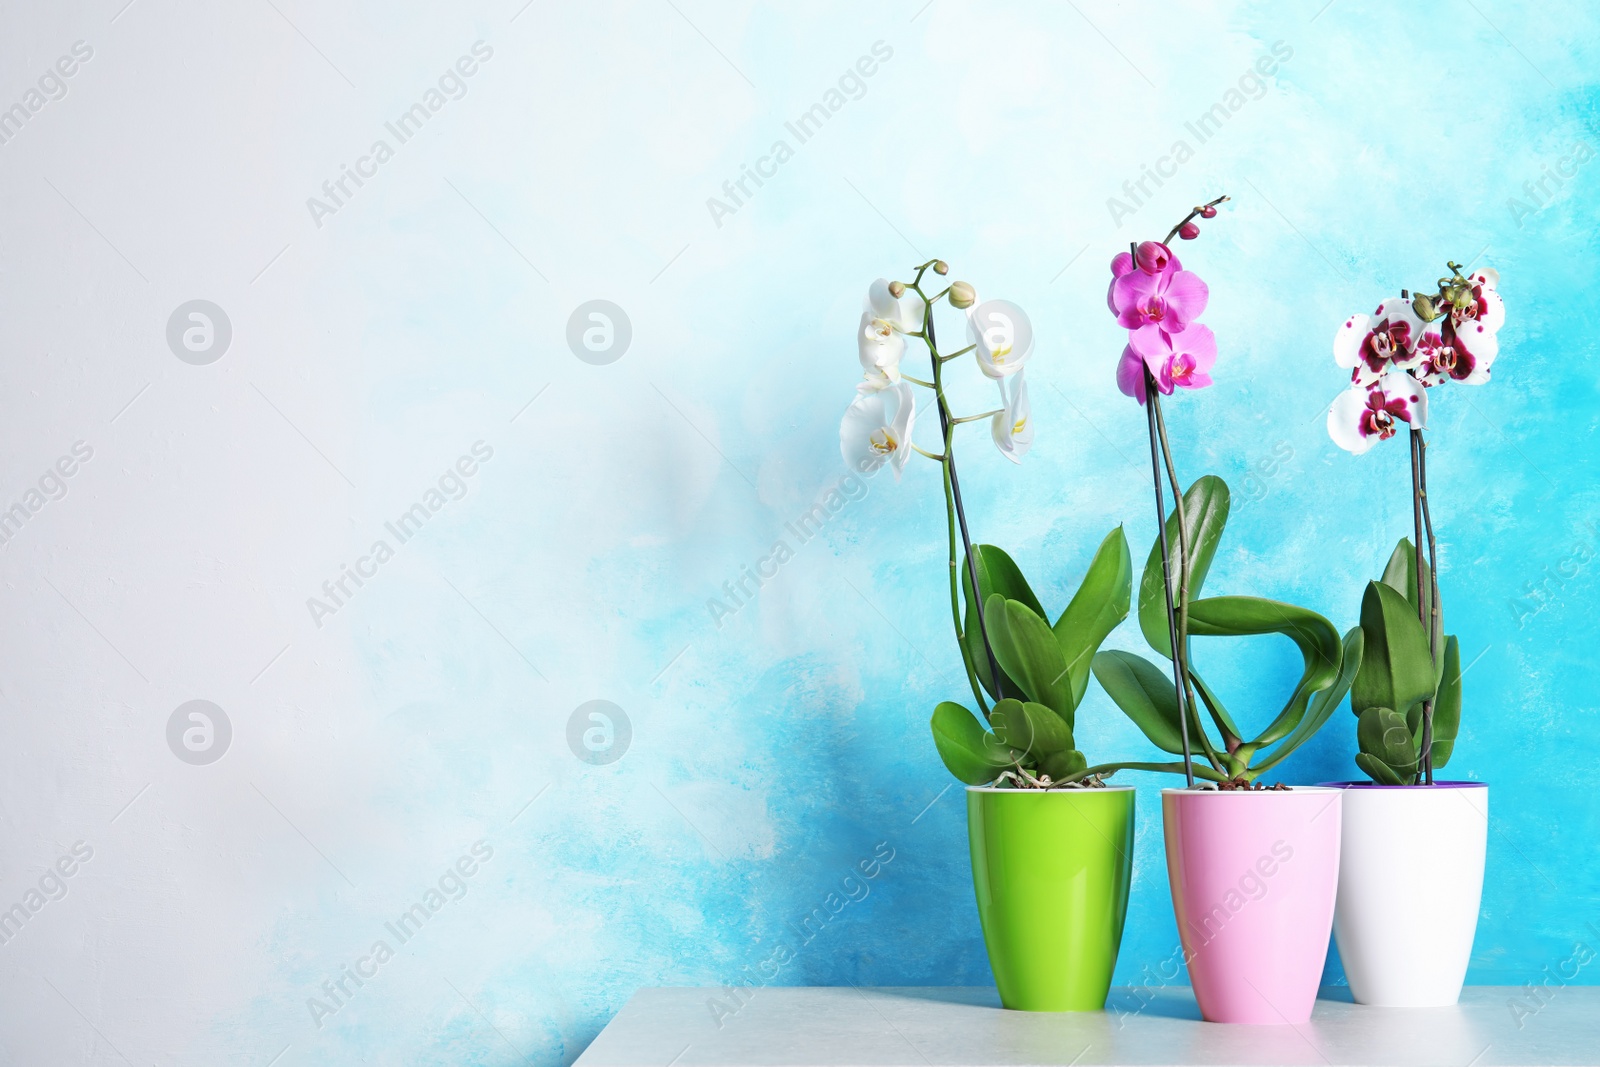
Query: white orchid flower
<point>881,348</point>
<point>903,313</point>
<point>1012,428</point>
<point>876,429</point>
<point>1002,336</point>
<point>881,337</point>
<point>1363,415</point>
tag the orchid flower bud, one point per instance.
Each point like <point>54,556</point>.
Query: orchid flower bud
<point>1208,212</point>
<point>1188,231</point>
<point>1424,308</point>
<point>962,295</point>
<point>897,289</point>
<point>941,267</point>
<point>1153,257</point>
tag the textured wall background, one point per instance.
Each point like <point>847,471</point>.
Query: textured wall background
<point>414,736</point>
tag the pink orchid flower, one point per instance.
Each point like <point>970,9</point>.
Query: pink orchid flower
<point>1363,415</point>
<point>1180,358</point>
<point>1371,344</point>
<point>1171,299</point>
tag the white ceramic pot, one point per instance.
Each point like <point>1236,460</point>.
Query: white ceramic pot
<point>1410,883</point>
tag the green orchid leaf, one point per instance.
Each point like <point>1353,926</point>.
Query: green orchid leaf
<point>1379,771</point>
<point>1144,694</point>
<point>1100,604</point>
<point>1382,734</point>
<point>1447,707</point>
<point>1219,714</point>
<point>1030,728</point>
<point>1324,703</point>
<point>997,573</point>
<point>1397,670</point>
<point>971,753</point>
<point>1064,764</point>
<point>1205,508</point>
<point>1401,575</point>
<point>1315,636</point>
<point>1027,650</point>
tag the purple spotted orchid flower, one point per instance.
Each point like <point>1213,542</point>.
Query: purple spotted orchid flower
<point>1409,345</point>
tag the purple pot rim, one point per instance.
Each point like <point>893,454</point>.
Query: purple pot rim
<point>1378,785</point>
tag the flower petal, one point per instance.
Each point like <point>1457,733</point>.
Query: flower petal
<point>1492,312</point>
<point>1197,342</point>
<point>1404,397</point>
<point>1130,374</point>
<point>904,314</point>
<point>1012,428</point>
<point>905,418</point>
<point>1344,421</point>
<point>1151,342</point>
<point>1002,335</point>
<point>1131,294</point>
<point>1481,345</point>
<point>880,346</point>
<point>1186,297</point>
<point>861,419</point>
<point>1348,341</point>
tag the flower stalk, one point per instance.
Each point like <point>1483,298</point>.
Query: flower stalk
<point>955,510</point>
<point>1158,448</point>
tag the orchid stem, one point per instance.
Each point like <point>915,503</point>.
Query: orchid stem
<point>956,355</point>
<point>956,512</point>
<point>939,456</point>
<point>1426,755</point>
<point>1166,573</point>
<point>915,381</point>
<point>978,418</point>
<point>1190,218</point>
<point>1185,558</point>
<point>1433,600</point>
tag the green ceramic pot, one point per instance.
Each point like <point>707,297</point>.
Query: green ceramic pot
<point>1051,869</point>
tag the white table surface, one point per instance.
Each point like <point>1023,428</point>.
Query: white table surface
<point>845,1026</point>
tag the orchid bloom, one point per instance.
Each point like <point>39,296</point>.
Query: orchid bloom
<point>1370,344</point>
<point>881,348</point>
<point>1012,427</point>
<point>881,336</point>
<point>876,429</point>
<point>1171,299</point>
<point>903,313</point>
<point>1470,331</point>
<point>1002,335</point>
<point>1363,415</point>
<point>1182,358</point>
<point>1448,356</point>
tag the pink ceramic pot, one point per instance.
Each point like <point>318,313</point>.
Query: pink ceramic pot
<point>1254,875</point>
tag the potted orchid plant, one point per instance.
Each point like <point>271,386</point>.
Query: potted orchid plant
<point>1254,951</point>
<point>1409,836</point>
<point>1051,844</point>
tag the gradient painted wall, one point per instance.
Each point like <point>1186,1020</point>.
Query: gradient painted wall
<point>401,761</point>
